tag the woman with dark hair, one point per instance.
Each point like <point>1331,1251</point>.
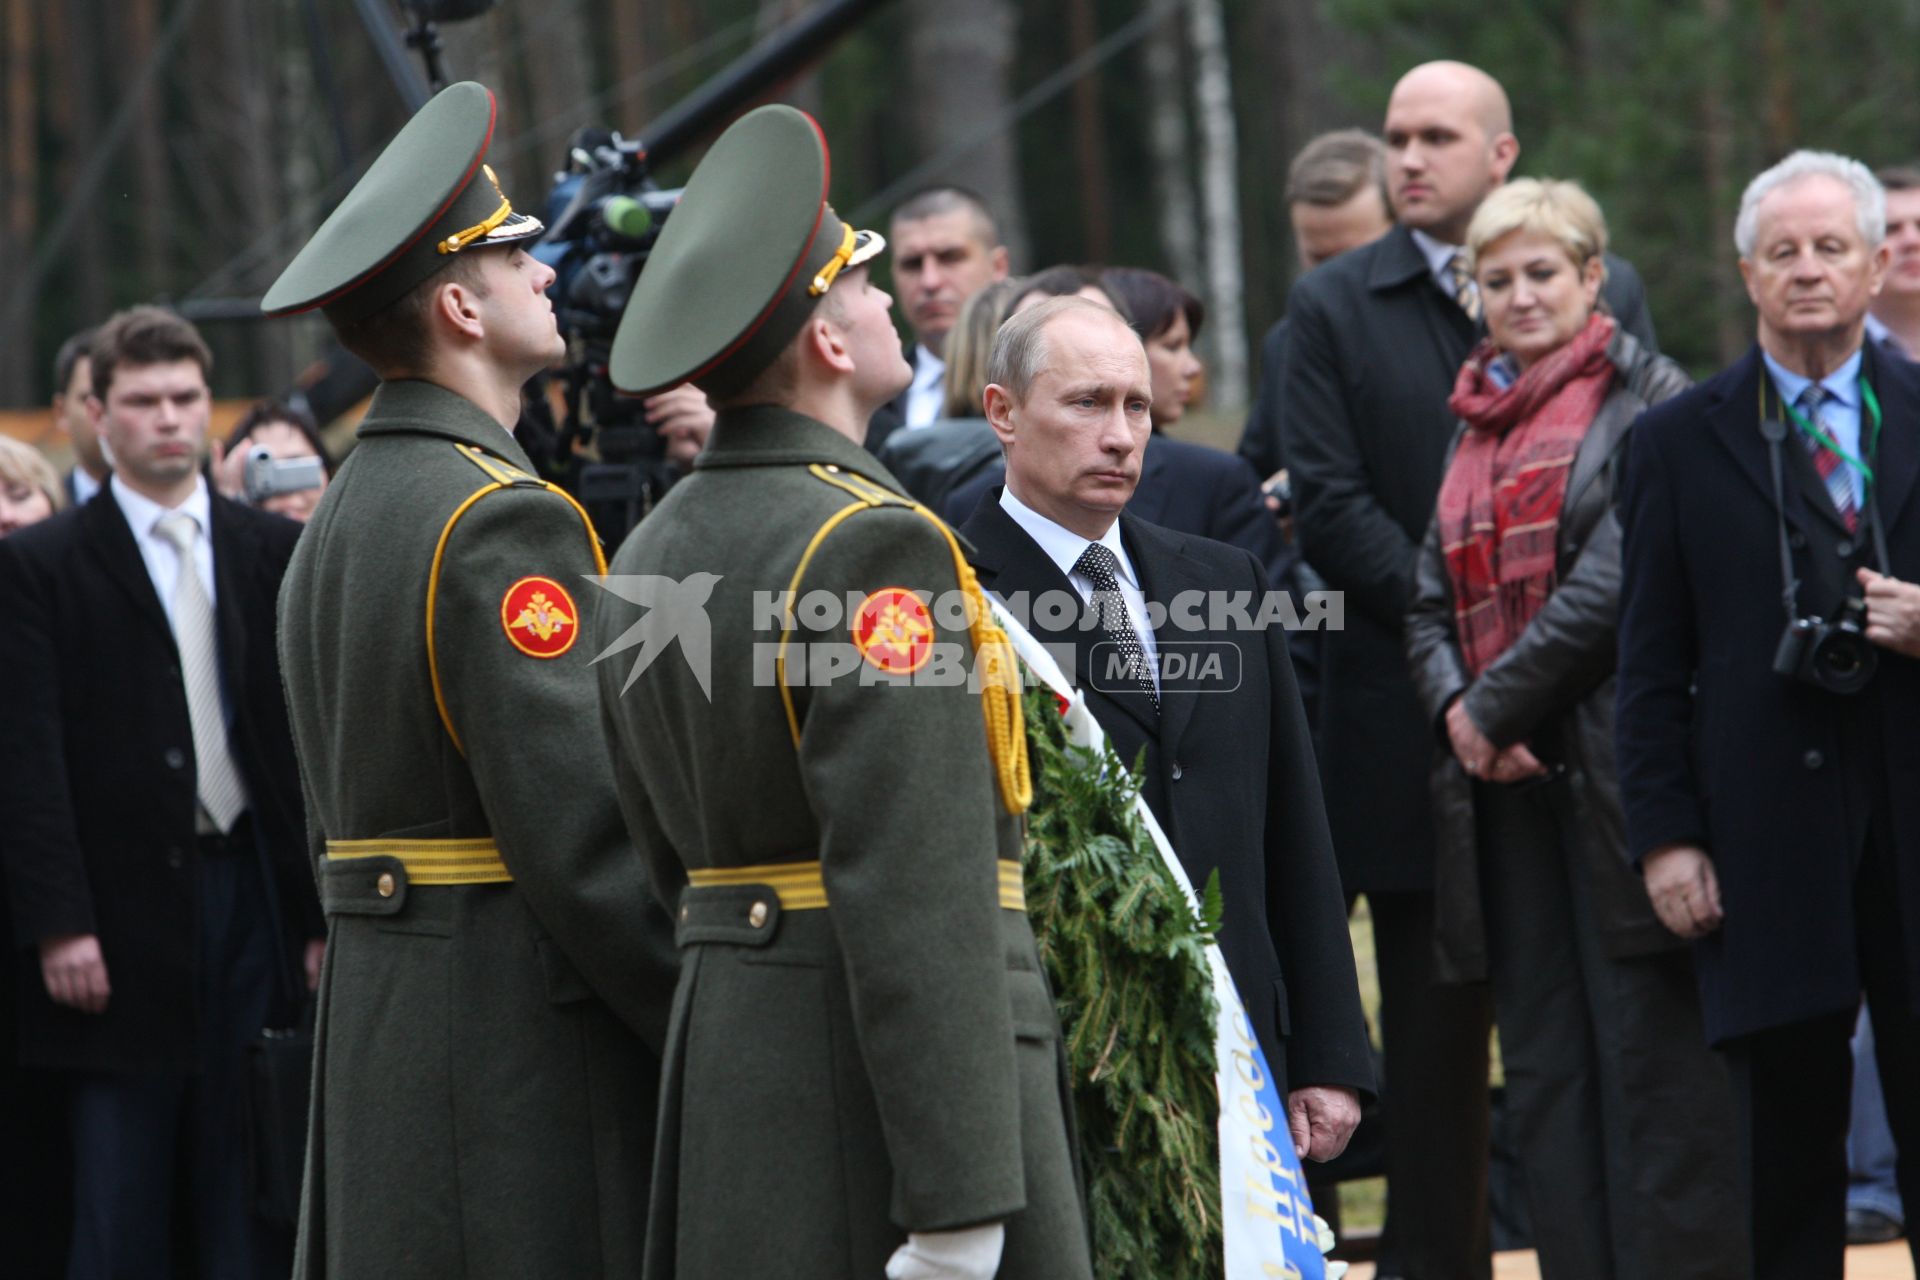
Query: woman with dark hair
<point>286,433</point>
<point>1168,320</point>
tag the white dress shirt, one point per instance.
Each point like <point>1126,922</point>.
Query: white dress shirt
<point>163,562</point>
<point>1064,547</point>
<point>928,391</point>
<point>84,486</point>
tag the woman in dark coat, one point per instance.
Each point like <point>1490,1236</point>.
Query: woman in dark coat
<point>1621,1116</point>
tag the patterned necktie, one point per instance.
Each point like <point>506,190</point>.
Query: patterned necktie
<point>1098,566</point>
<point>1463,291</point>
<point>1834,472</point>
<point>222,794</point>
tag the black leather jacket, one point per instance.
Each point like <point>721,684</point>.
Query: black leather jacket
<point>1553,688</point>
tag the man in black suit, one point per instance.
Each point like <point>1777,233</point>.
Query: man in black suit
<point>946,248</point>
<point>1771,805</point>
<point>72,382</point>
<point>1228,768</point>
<point>154,846</point>
<point>1375,339</point>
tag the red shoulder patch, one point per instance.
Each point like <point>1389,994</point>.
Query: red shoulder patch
<point>539,617</point>
<point>893,631</point>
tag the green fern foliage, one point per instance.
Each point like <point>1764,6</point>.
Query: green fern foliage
<point>1127,959</point>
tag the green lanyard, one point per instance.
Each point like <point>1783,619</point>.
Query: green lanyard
<point>1826,440</point>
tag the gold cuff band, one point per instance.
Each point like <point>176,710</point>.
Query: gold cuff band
<point>801,887</point>
<point>471,861</point>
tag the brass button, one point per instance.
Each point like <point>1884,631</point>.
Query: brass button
<point>757,915</point>
<point>684,913</point>
<point>832,469</point>
<point>385,884</point>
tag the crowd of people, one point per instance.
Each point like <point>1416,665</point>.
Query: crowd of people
<point>664,950</point>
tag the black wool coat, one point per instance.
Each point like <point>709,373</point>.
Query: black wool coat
<point>1372,349</point>
<point>1230,775</point>
<point>1775,778</point>
<point>97,782</point>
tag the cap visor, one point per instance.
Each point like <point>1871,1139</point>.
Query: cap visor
<point>518,226</point>
<point>867,245</point>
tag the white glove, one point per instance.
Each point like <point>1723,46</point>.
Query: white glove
<point>971,1254</point>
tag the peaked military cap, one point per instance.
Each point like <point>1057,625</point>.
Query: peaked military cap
<point>746,255</point>
<point>429,196</point>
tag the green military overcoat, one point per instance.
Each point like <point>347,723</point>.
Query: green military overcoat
<point>836,1077</point>
<point>487,1058</point>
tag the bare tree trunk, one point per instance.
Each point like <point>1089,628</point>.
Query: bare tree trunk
<point>1089,142</point>
<point>1220,201</point>
<point>631,50</point>
<point>961,56</point>
<point>553,40</point>
<point>22,190</point>
<point>154,234</point>
<point>1716,147</point>
<point>1777,50</point>
<point>1172,157</point>
<point>803,91</point>
<point>70,33</point>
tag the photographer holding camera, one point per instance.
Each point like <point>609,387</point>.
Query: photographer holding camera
<point>1769,707</point>
<point>274,459</point>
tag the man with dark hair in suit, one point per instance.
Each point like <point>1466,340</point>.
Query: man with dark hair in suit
<point>72,384</point>
<point>1228,767</point>
<point>946,249</point>
<point>1767,774</point>
<point>154,825</point>
<point>1374,341</point>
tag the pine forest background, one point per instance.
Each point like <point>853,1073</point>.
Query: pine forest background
<point>181,150</point>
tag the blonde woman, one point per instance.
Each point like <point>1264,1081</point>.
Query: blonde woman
<point>29,489</point>
<point>1622,1118</point>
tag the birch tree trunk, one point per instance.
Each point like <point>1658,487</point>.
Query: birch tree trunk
<point>961,57</point>
<point>1220,202</point>
<point>1172,157</point>
<point>22,188</point>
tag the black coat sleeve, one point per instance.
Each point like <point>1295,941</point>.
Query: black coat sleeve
<point>1260,440</point>
<point>1344,532</point>
<point>1658,652</point>
<point>47,883</point>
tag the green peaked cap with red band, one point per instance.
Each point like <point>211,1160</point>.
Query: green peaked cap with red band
<point>429,196</point>
<point>741,263</point>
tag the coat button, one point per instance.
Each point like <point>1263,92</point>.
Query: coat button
<point>1843,548</point>
<point>175,758</point>
<point>1176,773</point>
<point>757,915</point>
<point>684,913</point>
<point>175,857</point>
<point>384,885</point>
<point>1813,759</point>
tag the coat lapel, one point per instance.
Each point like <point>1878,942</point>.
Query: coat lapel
<point>1011,564</point>
<point>111,543</point>
<point>1734,418</point>
<point>1166,573</point>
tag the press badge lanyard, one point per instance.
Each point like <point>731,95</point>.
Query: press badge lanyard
<point>1824,438</point>
<point>1774,431</point>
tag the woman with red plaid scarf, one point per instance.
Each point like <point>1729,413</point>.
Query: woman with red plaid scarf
<point>1620,1117</point>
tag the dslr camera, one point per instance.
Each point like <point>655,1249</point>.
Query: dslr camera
<point>1835,656</point>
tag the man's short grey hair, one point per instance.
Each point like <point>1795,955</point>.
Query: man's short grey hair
<point>1869,198</point>
<point>1020,348</point>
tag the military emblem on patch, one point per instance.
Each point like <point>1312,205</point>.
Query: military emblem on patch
<point>539,617</point>
<point>894,631</point>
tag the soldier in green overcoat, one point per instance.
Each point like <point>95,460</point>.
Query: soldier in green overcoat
<point>864,1074</point>
<point>498,972</point>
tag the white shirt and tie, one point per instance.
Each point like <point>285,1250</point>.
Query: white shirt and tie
<point>1065,548</point>
<point>927,393</point>
<point>178,554</point>
<point>1453,280</point>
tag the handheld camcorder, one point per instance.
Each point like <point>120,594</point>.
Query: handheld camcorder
<point>268,477</point>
